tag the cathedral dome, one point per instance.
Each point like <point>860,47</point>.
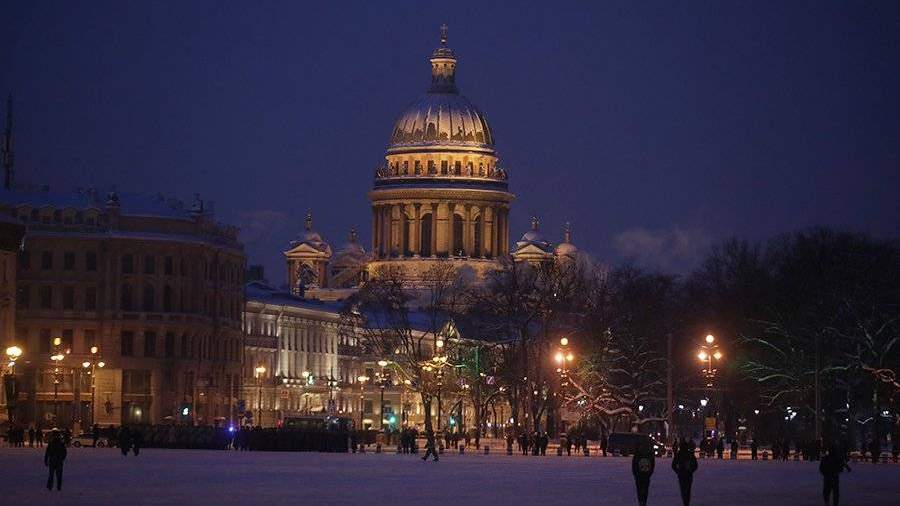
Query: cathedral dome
<point>442,119</point>
<point>442,116</point>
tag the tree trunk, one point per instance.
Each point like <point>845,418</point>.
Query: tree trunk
<point>426,406</point>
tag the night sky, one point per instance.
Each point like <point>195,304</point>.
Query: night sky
<point>656,129</point>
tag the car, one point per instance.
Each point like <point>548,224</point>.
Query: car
<point>626,443</point>
<point>87,439</point>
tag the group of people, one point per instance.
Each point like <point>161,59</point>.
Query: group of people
<point>17,436</point>
<point>535,442</point>
<point>684,464</point>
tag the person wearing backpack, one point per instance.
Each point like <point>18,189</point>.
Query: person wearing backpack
<point>642,465</point>
<point>685,464</point>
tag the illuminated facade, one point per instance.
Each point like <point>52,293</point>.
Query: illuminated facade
<point>155,285</point>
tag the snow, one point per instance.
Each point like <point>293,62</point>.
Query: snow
<point>198,477</point>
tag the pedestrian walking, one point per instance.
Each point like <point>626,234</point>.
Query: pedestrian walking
<point>754,448</point>
<point>137,441</point>
<point>124,440</point>
<point>734,449</point>
<point>831,467</point>
<point>685,464</point>
<point>429,448</point>
<point>31,437</point>
<point>54,457</point>
<point>720,447</point>
<point>642,465</point>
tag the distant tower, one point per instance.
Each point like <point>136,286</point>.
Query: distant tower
<point>307,258</point>
<point>7,148</point>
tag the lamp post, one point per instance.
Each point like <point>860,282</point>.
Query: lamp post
<point>57,358</point>
<point>90,366</point>
<point>708,353</point>
<point>362,379</point>
<point>12,354</point>
<point>382,383</point>
<point>260,370</point>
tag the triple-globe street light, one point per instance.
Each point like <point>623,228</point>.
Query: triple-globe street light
<point>709,352</point>
<point>95,361</point>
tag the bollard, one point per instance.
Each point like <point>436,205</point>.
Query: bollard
<point>487,450</point>
<point>378,448</point>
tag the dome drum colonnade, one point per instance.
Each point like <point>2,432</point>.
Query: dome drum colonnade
<point>441,193</point>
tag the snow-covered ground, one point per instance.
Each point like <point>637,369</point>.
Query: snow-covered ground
<point>198,477</point>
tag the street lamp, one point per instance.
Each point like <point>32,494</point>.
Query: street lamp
<point>95,361</point>
<point>709,352</point>
<point>12,354</point>
<point>362,379</point>
<point>564,359</point>
<point>382,383</point>
<point>260,370</point>
<point>57,358</point>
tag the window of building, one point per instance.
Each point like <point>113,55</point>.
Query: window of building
<point>149,344</point>
<point>90,339</point>
<point>90,261</point>
<point>457,168</point>
<point>444,165</point>
<point>127,264</point>
<point>135,382</point>
<point>90,298</point>
<point>23,296</point>
<point>69,297</point>
<point>127,343</point>
<point>127,299</point>
<point>46,297</point>
<point>47,260</point>
<point>167,299</point>
<point>69,261</point>
<point>149,264</point>
<point>148,302</point>
<point>169,266</point>
<point>68,339</point>
<point>46,341</point>
<point>170,345</point>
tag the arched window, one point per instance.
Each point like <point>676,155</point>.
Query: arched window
<point>167,299</point>
<point>425,236</point>
<point>148,301</point>
<point>476,249</point>
<point>126,298</point>
<point>458,248</point>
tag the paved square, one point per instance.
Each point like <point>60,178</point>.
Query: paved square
<point>188,477</point>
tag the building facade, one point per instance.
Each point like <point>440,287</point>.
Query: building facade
<point>138,301</point>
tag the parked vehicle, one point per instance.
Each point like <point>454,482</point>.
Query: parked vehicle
<point>626,443</point>
<point>87,439</point>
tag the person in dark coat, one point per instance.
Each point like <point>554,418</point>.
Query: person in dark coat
<point>54,457</point>
<point>430,448</point>
<point>685,464</point>
<point>875,449</point>
<point>31,437</point>
<point>831,467</point>
<point>720,447</point>
<point>642,465</point>
<point>124,440</point>
<point>137,441</point>
<point>754,448</point>
<point>734,449</point>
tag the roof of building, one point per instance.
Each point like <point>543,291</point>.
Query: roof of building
<point>259,291</point>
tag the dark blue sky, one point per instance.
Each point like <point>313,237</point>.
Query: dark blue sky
<point>655,128</point>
